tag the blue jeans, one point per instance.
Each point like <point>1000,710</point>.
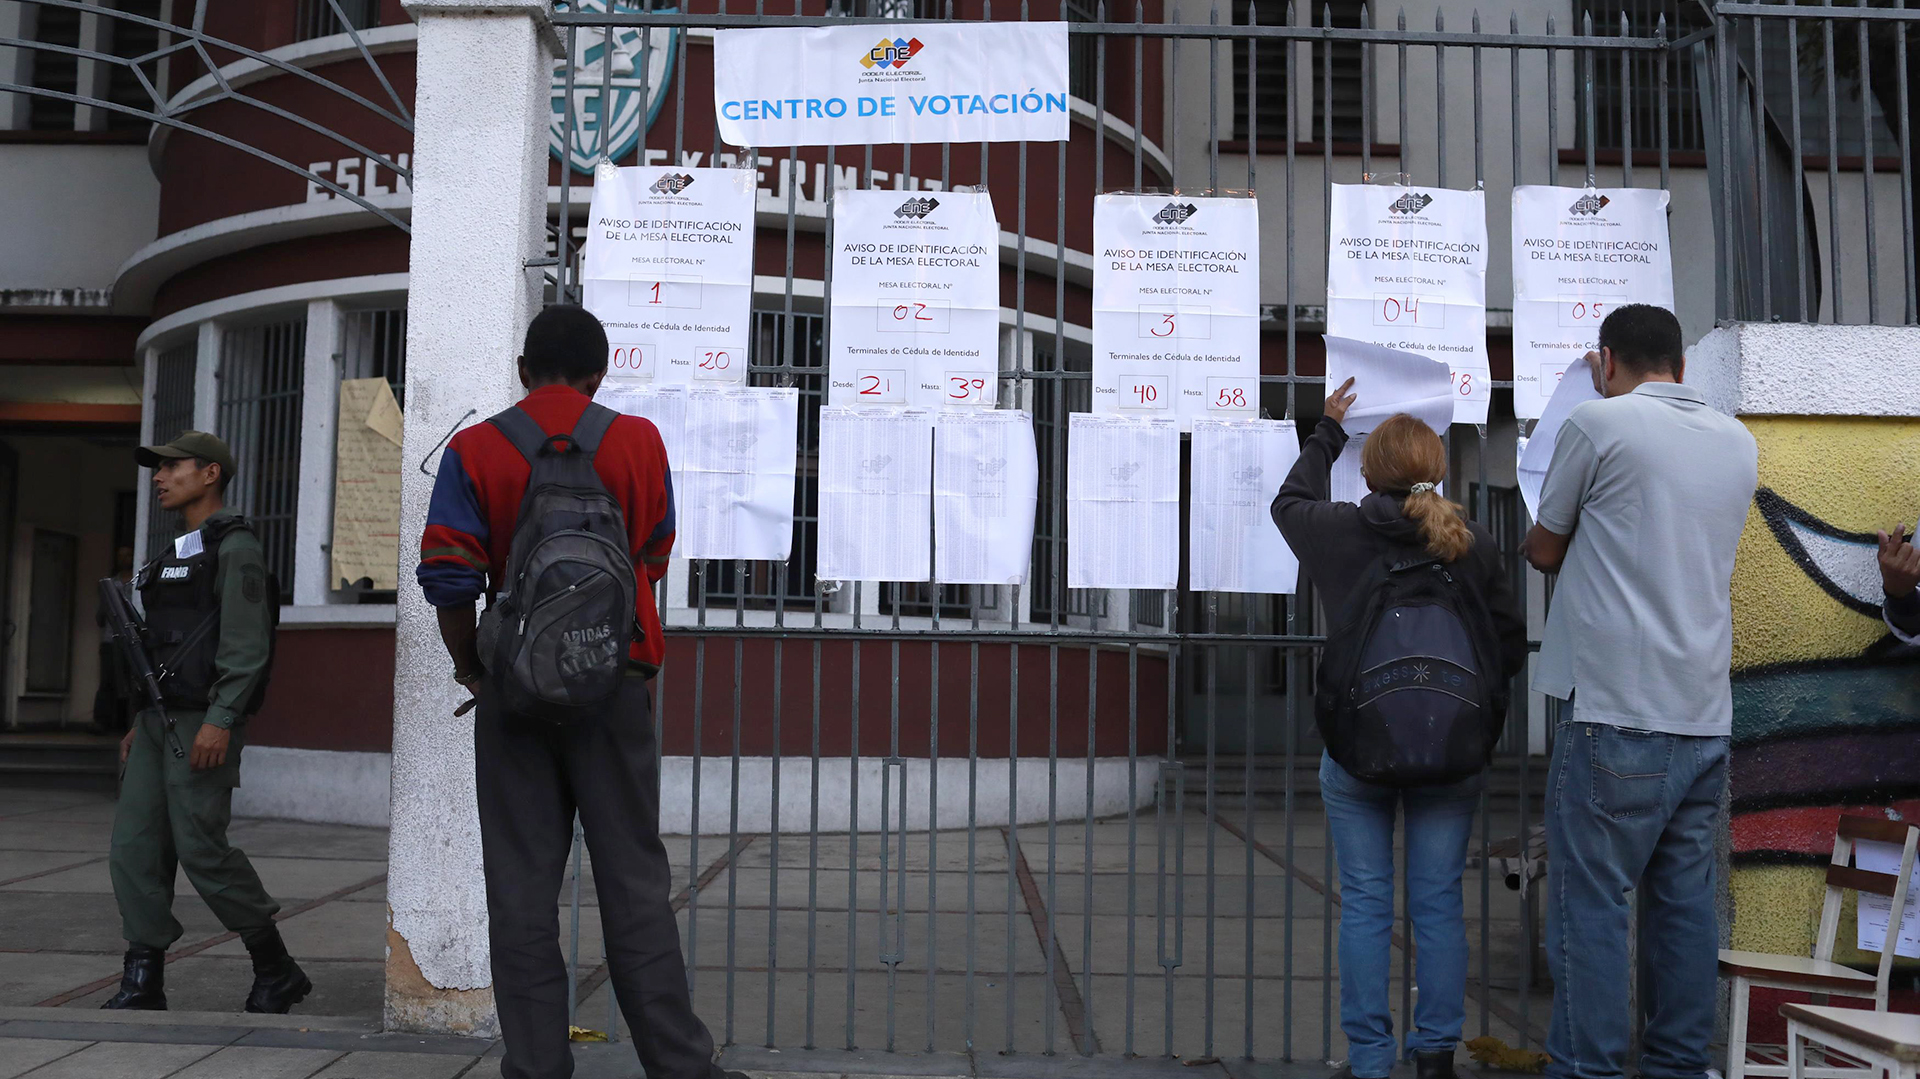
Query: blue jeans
<point>1626,809</point>
<point>1360,822</point>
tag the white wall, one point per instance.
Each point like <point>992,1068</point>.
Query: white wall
<point>71,214</point>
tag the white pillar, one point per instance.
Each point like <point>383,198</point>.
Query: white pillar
<point>313,581</point>
<point>479,214</point>
<point>206,383</point>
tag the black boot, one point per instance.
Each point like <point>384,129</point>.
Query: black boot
<point>278,981</point>
<point>143,985</point>
<point>1433,1064</point>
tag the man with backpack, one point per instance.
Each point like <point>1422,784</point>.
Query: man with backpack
<point>546,509</point>
<point>1643,505</point>
<point>211,607</point>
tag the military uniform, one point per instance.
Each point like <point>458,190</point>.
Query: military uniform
<point>211,608</point>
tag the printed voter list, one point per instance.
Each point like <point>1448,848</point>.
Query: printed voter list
<point>1176,307</point>
<point>1232,545</point>
<point>668,270</point>
<point>892,82</point>
<point>916,300</point>
<point>1407,269</point>
<point>1578,254</point>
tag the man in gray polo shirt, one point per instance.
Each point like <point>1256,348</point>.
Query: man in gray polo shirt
<point>1642,508</point>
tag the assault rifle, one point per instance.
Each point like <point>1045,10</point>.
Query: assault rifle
<point>126,633</point>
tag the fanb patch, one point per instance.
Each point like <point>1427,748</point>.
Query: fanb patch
<point>253,583</point>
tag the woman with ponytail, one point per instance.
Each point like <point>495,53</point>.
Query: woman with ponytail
<point>1339,545</point>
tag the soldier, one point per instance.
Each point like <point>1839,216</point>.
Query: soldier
<point>210,606</point>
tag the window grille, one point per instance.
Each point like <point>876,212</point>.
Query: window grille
<point>316,18</point>
<point>53,70</point>
<point>128,39</point>
<point>172,414</point>
<point>1272,96</point>
<point>1050,439</point>
<point>373,344</point>
<point>261,371</point>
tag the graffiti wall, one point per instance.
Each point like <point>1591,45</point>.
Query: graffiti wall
<point>1826,703</point>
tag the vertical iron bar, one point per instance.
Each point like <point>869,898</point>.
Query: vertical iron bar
<point>1906,168</point>
<point>1833,173</point>
<point>1801,268</point>
<point>1760,174</point>
<point>1553,106</point>
<point>1626,106</point>
<point>1866,169</point>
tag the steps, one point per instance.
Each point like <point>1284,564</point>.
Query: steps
<point>64,760</point>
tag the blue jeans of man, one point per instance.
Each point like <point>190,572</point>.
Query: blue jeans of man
<point>1625,809</point>
<point>1360,822</point>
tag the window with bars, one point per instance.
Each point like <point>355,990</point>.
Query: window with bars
<point>172,413</point>
<point>1639,116</point>
<point>318,18</point>
<point>373,344</point>
<point>761,585</point>
<point>129,39</point>
<point>1066,396</point>
<point>261,371</point>
<point>1270,97</point>
<point>58,71</point>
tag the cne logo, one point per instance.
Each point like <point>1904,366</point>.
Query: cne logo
<point>873,466</point>
<point>1249,476</point>
<point>991,467</point>
<point>891,54</point>
<point>1175,213</point>
<point>671,184</point>
<point>1589,204</point>
<point>1410,203</point>
<point>1124,472</point>
<point>916,209</point>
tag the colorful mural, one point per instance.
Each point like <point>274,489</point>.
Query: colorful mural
<point>1826,704</point>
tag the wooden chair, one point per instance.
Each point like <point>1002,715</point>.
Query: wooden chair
<point>1820,974</point>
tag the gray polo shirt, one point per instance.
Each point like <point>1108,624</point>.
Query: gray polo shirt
<point>1654,488</point>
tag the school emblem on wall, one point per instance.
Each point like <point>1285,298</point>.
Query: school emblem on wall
<point>642,69</point>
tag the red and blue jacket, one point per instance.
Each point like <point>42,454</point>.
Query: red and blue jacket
<point>476,499</point>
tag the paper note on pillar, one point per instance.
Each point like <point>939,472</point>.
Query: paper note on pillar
<point>891,83</point>
<point>1386,382</point>
<point>916,301</point>
<point>1408,270</point>
<point>1176,307</point>
<point>668,270</point>
<point>366,486</point>
<point>1578,254</point>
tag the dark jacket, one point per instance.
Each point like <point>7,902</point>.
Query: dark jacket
<point>1337,542</point>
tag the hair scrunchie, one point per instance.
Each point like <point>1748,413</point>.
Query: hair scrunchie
<point>1420,488</point>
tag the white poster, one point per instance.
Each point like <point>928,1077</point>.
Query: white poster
<point>876,494</point>
<point>1876,911</point>
<point>986,483</point>
<point>1578,254</point>
<point>668,270</point>
<point>1536,453</point>
<point>1386,382</point>
<point>1123,502</point>
<point>1232,543</point>
<point>1176,307</point>
<point>897,82</point>
<point>1408,270</point>
<point>916,300</point>
<point>733,484</point>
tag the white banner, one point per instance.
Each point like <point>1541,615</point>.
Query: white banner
<point>1408,270</point>
<point>1176,307</point>
<point>1232,543</point>
<point>900,82</point>
<point>1578,254</point>
<point>916,300</point>
<point>668,270</point>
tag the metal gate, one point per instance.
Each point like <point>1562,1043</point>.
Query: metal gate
<point>996,900</point>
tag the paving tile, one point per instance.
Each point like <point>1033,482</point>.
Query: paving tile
<point>20,863</point>
<point>29,833</point>
<point>68,922</point>
<point>374,1065</point>
<point>253,1062</point>
<point>92,811</point>
<point>19,1055</point>
<point>329,931</point>
<point>830,944</point>
<point>125,1060</point>
<point>29,978</point>
<point>311,840</point>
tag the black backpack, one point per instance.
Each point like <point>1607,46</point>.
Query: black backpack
<point>555,638</point>
<point>1410,690</point>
